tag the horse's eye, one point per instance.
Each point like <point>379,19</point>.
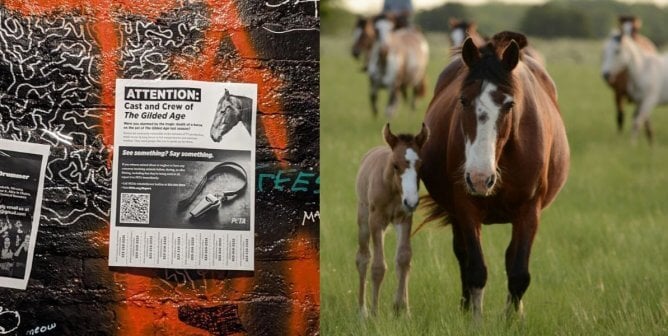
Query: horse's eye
<point>508,106</point>
<point>464,101</point>
<point>395,166</point>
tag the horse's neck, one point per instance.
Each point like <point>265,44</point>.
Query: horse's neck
<point>246,112</point>
<point>638,60</point>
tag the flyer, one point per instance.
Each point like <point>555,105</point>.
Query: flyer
<point>22,168</point>
<point>183,193</point>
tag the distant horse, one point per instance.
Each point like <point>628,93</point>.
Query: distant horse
<point>364,36</point>
<point>398,61</point>
<point>647,77</point>
<point>619,82</point>
<point>461,29</point>
<point>387,192</point>
<point>497,153</point>
<point>230,111</point>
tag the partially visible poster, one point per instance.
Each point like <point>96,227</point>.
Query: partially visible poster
<point>22,168</point>
<point>183,193</point>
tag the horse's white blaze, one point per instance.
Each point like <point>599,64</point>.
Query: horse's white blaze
<point>627,28</point>
<point>457,37</point>
<point>409,180</point>
<point>480,153</point>
<point>610,63</point>
<point>384,28</point>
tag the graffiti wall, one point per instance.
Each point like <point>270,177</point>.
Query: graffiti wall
<point>58,64</point>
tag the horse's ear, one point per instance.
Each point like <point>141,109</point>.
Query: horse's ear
<point>470,52</point>
<point>390,138</point>
<point>511,56</point>
<point>227,94</point>
<point>422,137</point>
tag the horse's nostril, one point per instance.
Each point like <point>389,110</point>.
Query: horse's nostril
<point>469,181</point>
<point>490,181</point>
<point>606,76</point>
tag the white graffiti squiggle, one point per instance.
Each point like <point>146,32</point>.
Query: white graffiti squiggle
<point>293,3</point>
<point>13,322</point>
<point>148,47</point>
<point>50,93</point>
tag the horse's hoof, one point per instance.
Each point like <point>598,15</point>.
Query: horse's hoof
<point>364,313</point>
<point>401,309</point>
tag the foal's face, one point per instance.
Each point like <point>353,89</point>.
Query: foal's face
<point>615,57</point>
<point>406,164</point>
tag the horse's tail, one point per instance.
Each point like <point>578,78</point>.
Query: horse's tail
<point>434,212</point>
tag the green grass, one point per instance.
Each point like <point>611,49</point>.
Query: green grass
<point>600,260</point>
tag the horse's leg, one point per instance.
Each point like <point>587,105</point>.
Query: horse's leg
<point>642,113</point>
<point>374,97</point>
<point>363,254</point>
<point>403,260</point>
<point>392,103</point>
<point>517,257</point>
<point>619,102</point>
<point>466,243</point>
<point>649,132</point>
<point>377,224</point>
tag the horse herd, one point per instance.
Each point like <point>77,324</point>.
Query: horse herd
<point>492,148</point>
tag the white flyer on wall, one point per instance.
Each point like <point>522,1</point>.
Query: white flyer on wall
<point>183,193</point>
<point>22,169</point>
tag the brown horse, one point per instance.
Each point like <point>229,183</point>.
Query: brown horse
<point>630,25</point>
<point>398,61</point>
<point>230,111</point>
<point>497,153</point>
<point>461,29</point>
<point>387,192</point>
<point>363,37</point>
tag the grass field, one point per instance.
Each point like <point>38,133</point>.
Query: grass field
<point>600,260</point>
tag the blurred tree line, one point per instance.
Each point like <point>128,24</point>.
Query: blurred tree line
<point>557,18</point>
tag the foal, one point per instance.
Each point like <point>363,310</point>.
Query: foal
<point>387,191</point>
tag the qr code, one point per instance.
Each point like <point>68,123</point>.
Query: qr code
<point>135,208</point>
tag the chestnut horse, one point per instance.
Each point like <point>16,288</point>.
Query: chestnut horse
<point>387,192</point>
<point>630,25</point>
<point>461,29</point>
<point>230,111</point>
<point>497,153</point>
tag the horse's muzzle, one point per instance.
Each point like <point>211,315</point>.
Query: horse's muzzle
<point>480,184</point>
<point>410,208</point>
<point>606,77</point>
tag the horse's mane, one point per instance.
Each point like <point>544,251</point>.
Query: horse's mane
<point>489,67</point>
